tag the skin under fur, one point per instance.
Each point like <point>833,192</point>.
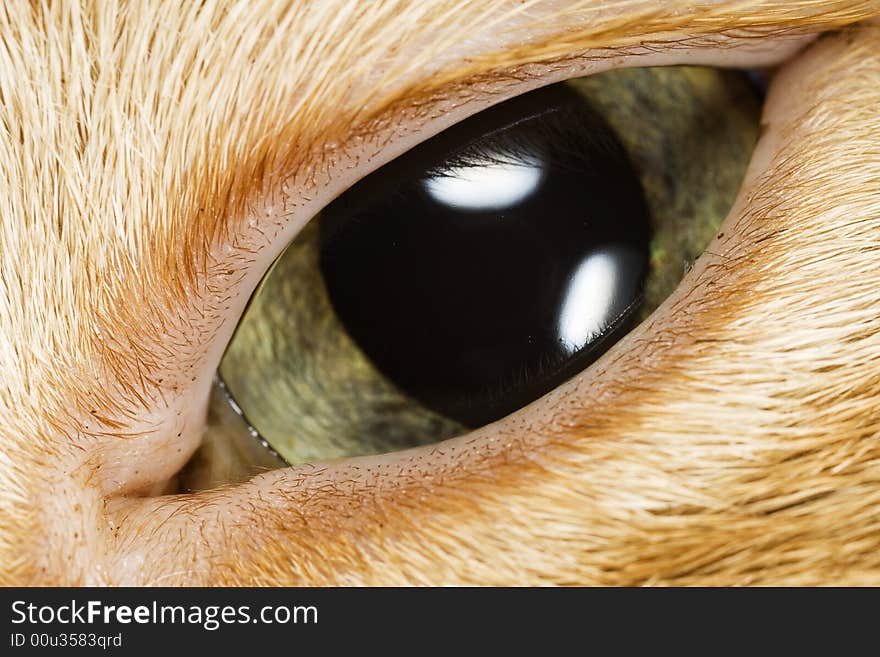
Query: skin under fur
<point>157,156</point>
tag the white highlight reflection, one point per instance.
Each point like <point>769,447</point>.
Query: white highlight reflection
<point>490,186</point>
<point>589,300</point>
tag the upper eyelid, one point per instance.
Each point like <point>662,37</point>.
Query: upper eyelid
<point>357,149</point>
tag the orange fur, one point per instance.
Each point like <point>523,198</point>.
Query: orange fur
<point>152,152</point>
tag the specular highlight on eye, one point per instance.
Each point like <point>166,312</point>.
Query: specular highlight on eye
<point>490,185</point>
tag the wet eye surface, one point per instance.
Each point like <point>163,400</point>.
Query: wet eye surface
<point>510,262</point>
<point>480,270</point>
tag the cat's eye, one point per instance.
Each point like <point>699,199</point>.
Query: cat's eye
<point>481,269</point>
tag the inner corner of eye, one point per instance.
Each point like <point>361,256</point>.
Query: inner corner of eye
<point>481,269</point>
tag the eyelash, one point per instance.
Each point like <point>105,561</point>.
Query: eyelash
<point>559,128</point>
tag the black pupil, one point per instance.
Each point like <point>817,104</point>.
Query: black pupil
<point>494,261</point>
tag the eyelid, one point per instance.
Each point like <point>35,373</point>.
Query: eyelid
<point>710,114</point>
<point>347,159</point>
<point>267,232</point>
<point>235,260</point>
